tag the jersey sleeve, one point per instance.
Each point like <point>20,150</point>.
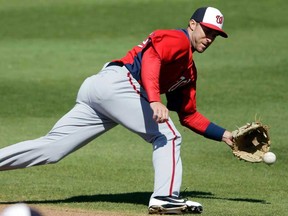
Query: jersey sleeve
<point>150,75</point>
<point>183,101</point>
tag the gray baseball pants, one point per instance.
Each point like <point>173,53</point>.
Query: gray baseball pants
<point>105,100</point>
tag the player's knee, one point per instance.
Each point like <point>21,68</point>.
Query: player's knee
<point>163,140</point>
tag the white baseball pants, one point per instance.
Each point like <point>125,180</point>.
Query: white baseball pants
<point>105,100</point>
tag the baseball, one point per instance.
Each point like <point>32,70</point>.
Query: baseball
<point>269,158</point>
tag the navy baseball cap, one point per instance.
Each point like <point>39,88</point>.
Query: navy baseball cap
<point>211,18</point>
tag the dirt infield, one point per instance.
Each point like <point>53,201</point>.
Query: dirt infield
<point>53,211</point>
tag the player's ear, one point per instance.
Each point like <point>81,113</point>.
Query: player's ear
<point>192,24</point>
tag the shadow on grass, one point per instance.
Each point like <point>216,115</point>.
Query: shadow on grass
<point>140,198</point>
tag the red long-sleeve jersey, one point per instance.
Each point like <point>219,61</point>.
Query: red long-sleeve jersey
<point>163,64</point>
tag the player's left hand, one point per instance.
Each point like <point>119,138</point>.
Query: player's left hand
<point>160,112</point>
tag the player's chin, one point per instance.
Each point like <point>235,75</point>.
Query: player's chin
<point>201,49</point>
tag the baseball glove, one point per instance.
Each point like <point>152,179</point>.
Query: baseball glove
<point>251,142</point>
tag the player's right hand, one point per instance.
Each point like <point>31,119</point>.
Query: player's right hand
<point>228,138</point>
<point>160,112</point>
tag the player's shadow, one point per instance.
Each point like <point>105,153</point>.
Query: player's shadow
<point>140,198</point>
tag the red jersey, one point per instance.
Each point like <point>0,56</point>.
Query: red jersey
<point>163,64</point>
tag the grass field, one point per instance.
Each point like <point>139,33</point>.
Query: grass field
<point>47,48</point>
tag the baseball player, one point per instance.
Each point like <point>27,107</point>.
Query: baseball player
<point>127,91</point>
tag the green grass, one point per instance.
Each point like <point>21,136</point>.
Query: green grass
<point>49,47</point>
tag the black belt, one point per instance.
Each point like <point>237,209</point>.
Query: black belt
<point>120,64</point>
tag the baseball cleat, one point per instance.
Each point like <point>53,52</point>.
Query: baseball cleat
<point>173,205</point>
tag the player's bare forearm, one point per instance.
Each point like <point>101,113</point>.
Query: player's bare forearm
<point>160,112</point>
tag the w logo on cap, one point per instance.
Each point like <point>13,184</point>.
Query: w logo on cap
<point>219,19</point>
<point>211,18</point>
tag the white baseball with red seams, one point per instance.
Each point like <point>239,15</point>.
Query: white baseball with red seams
<point>269,158</point>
